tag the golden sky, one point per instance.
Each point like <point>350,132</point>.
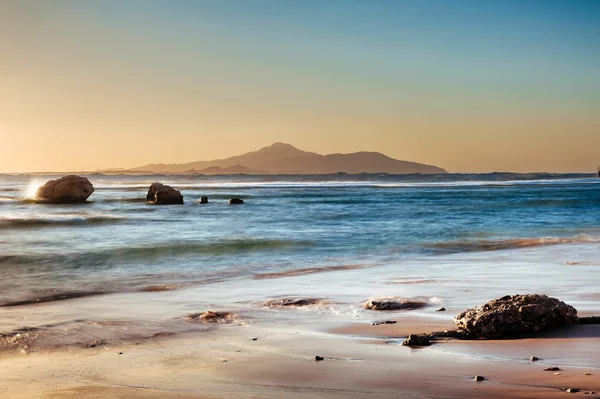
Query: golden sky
<point>91,85</point>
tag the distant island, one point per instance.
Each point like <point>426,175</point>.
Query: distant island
<point>281,158</point>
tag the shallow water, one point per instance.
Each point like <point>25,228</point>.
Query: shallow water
<point>452,240</point>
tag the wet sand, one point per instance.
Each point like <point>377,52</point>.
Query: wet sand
<point>361,360</point>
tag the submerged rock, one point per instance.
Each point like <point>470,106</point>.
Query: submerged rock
<point>515,316</point>
<point>416,340</point>
<point>161,194</point>
<point>236,201</point>
<point>212,317</point>
<point>378,323</point>
<point>68,189</point>
<point>292,302</point>
<point>393,304</point>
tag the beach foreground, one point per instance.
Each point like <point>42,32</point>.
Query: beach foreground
<point>361,360</point>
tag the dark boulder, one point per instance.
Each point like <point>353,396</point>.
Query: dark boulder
<point>416,340</point>
<point>236,201</point>
<point>393,304</point>
<point>515,316</point>
<point>68,189</point>
<point>160,194</point>
<point>203,200</point>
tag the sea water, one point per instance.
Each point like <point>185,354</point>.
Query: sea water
<point>119,269</point>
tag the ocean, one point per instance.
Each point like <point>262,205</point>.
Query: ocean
<point>116,269</point>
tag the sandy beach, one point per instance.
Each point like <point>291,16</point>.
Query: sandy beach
<point>361,360</point>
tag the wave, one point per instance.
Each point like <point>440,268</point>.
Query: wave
<point>511,243</point>
<point>309,270</point>
<point>136,253</point>
<point>57,296</point>
<point>16,222</point>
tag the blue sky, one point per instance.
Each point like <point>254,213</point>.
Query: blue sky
<point>455,83</point>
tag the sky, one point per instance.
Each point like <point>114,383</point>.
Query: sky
<point>467,85</point>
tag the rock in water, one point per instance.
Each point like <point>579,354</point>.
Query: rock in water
<point>416,340</point>
<point>68,189</point>
<point>236,201</point>
<point>212,317</point>
<point>515,316</point>
<point>160,194</point>
<point>292,302</point>
<point>393,304</point>
<point>203,200</point>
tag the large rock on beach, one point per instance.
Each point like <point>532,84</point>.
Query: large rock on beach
<point>161,194</point>
<point>67,189</point>
<point>393,304</point>
<point>515,316</point>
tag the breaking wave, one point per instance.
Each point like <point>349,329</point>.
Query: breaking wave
<point>124,254</point>
<point>24,222</point>
<point>511,243</point>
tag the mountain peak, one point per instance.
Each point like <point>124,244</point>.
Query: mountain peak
<point>280,146</point>
<point>285,158</point>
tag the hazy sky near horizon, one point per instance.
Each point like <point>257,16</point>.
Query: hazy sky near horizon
<point>468,85</point>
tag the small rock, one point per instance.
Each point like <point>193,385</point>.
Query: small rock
<point>479,378</point>
<point>590,393</point>
<point>572,390</point>
<point>203,200</point>
<point>236,201</point>
<point>552,369</point>
<point>393,304</point>
<point>254,339</point>
<point>377,323</point>
<point>319,358</point>
<point>120,353</point>
<point>588,372</point>
<point>441,310</point>
<point>212,317</point>
<point>292,302</point>
<point>534,358</point>
<point>416,340</point>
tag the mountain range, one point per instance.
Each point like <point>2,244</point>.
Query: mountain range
<point>281,158</point>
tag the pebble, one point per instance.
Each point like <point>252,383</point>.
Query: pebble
<point>587,373</point>
<point>552,369</point>
<point>590,393</point>
<point>120,353</point>
<point>319,358</point>
<point>441,310</point>
<point>572,390</point>
<point>254,339</point>
<point>534,358</point>
<point>479,378</point>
